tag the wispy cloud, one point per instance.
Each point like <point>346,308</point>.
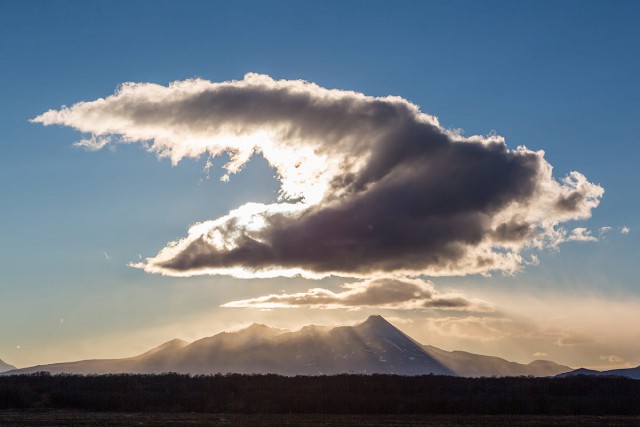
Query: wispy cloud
<point>581,234</point>
<point>404,294</point>
<point>625,230</point>
<point>568,338</point>
<point>603,231</point>
<point>477,328</point>
<point>612,358</point>
<point>368,185</point>
<point>499,326</point>
<point>94,143</point>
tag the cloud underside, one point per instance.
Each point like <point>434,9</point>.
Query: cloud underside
<point>369,186</point>
<point>405,294</point>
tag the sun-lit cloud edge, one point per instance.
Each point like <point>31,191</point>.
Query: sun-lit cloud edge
<point>340,155</point>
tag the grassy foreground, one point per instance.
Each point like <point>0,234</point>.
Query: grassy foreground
<point>82,419</point>
<point>338,395</point>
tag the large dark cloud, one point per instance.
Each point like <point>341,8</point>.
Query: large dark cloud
<point>381,187</point>
<point>423,210</point>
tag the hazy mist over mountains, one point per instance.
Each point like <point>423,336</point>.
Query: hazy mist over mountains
<point>5,366</point>
<point>374,346</point>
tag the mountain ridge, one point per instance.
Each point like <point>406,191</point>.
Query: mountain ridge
<point>633,373</point>
<point>4,366</point>
<point>372,346</point>
<point>475,365</point>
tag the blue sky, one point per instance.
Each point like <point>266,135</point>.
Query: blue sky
<point>554,76</point>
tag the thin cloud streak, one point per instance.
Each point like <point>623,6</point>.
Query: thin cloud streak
<point>388,293</point>
<point>369,186</point>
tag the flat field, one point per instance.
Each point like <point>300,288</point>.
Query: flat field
<point>82,419</point>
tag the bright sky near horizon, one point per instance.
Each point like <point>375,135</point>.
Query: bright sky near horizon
<point>370,161</point>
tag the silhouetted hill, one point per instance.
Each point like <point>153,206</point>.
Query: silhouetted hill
<point>372,347</point>
<point>475,365</point>
<point>633,373</point>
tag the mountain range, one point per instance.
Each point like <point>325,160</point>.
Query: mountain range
<point>633,373</point>
<point>374,346</point>
<point>474,365</point>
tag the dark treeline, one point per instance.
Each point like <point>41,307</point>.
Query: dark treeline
<point>340,394</point>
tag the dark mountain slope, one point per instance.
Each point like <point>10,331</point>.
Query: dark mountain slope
<point>5,366</point>
<point>633,373</point>
<point>475,365</point>
<point>374,346</point>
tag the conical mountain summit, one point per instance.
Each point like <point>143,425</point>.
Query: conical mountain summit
<point>5,366</point>
<point>373,346</point>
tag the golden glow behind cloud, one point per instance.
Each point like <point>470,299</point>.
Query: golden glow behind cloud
<point>369,186</point>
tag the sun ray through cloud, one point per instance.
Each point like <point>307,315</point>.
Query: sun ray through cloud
<point>368,185</point>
